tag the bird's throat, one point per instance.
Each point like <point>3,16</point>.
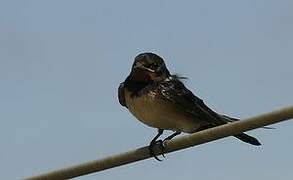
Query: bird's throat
<point>140,76</point>
<point>136,82</point>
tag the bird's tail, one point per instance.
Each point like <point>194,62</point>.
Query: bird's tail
<point>248,139</point>
<point>242,136</point>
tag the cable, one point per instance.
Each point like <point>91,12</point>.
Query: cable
<point>173,145</point>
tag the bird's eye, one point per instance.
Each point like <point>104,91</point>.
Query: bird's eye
<point>154,66</point>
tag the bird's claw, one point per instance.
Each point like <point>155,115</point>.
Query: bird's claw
<point>166,139</point>
<point>161,146</point>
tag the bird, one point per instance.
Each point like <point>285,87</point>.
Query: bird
<point>162,101</point>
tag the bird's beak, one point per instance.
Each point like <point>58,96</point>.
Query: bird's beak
<point>139,65</point>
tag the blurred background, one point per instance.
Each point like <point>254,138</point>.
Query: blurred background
<point>61,63</point>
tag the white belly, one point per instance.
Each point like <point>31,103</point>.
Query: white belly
<point>155,112</point>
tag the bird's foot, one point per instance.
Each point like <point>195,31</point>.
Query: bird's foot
<point>171,136</point>
<point>161,146</point>
<point>164,141</point>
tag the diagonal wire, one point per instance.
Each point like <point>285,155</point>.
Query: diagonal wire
<point>173,145</point>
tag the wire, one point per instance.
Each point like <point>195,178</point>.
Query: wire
<point>173,145</point>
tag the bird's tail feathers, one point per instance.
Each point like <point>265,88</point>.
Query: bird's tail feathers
<point>242,136</point>
<point>248,139</point>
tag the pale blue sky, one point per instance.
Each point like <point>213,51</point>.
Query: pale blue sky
<point>61,63</point>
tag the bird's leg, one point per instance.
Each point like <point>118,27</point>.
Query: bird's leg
<point>154,142</point>
<point>171,136</point>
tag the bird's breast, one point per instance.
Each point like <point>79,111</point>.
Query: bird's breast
<point>151,109</point>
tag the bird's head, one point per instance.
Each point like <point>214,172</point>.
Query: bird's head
<point>149,67</point>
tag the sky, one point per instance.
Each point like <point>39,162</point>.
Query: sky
<point>61,63</point>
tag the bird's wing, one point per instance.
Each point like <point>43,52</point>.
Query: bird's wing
<point>174,90</point>
<point>121,95</point>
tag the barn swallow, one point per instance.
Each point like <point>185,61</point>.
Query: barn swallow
<point>161,100</point>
